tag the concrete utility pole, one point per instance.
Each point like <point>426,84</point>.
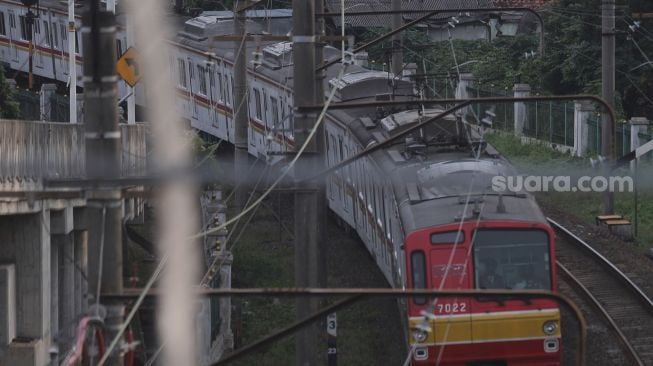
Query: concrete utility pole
<point>607,124</point>
<point>397,52</point>
<point>131,99</point>
<point>309,206</point>
<point>72,65</point>
<point>320,84</point>
<point>103,160</point>
<point>240,108</point>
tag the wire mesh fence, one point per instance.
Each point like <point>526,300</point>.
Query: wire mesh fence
<point>550,121</point>
<point>622,137</point>
<point>29,104</point>
<point>55,108</point>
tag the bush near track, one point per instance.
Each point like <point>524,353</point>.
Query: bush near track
<point>542,160</point>
<point>369,331</point>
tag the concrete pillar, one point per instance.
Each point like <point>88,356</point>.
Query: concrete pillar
<point>31,237</point>
<point>80,106</point>
<point>7,304</point>
<point>203,329</point>
<point>462,90</point>
<point>81,264</point>
<point>225,302</point>
<point>62,273</point>
<point>47,91</point>
<point>521,113</point>
<point>67,313</point>
<point>55,273</point>
<point>637,125</point>
<point>582,112</point>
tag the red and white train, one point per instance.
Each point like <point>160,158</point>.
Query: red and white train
<point>423,207</point>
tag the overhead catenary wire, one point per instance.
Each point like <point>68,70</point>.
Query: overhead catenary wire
<point>431,308</point>
<point>215,264</point>
<point>159,268</point>
<point>625,74</point>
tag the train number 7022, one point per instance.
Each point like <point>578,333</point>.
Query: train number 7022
<point>450,308</point>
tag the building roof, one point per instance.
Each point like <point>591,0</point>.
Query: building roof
<point>385,5</point>
<point>533,4</point>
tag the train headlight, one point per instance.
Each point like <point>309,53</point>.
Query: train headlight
<point>420,334</point>
<point>550,327</point>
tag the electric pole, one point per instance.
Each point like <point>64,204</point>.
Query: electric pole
<point>103,161</point>
<point>309,211</point>
<point>321,227</point>
<point>72,64</point>
<point>240,108</point>
<point>397,52</point>
<point>607,77</point>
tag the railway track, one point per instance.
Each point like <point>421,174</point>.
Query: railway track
<point>623,305</point>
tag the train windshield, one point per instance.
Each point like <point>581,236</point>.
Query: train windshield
<point>512,259</point>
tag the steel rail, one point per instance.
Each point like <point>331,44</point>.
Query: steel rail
<point>597,305</point>
<point>641,296</point>
<point>355,294</point>
<point>615,273</point>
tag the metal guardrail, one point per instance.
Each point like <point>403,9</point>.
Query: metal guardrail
<point>32,150</point>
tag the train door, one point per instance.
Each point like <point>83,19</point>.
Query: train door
<point>63,61</point>
<point>13,35</point>
<point>450,270</point>
<point>347,185</point>
<point>39,37</point>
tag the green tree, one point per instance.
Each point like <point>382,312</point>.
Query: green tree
<point>572,60</point>
<point>8,107</point>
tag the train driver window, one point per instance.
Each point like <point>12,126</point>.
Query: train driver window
<point>512,259</point>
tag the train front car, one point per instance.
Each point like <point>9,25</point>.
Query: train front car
<point>464,235</point>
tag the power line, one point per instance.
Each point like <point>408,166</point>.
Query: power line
<point>627,75</point>
<point>164,259</point>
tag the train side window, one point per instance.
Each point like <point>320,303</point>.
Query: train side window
<point>230,88</point>
<point>201,75</point>
<point>64,32</point>
<point>449,237</point>
<point>55,35</point>
<point>46,36</point>
<point>418,273</point>
<point>182,73</point>
<point>12,20</point>
<point>3,31</point>
<point>220,91</point>
<point>265,107</point>
<point>275,111</point>
<point>257,105</point>
<point>23,27</point>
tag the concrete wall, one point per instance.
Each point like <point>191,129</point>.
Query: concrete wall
<point>25,243</point>
<point>40,292</point>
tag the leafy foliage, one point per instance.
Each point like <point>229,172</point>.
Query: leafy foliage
<point>572,60</point>
<point>8,107</point>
